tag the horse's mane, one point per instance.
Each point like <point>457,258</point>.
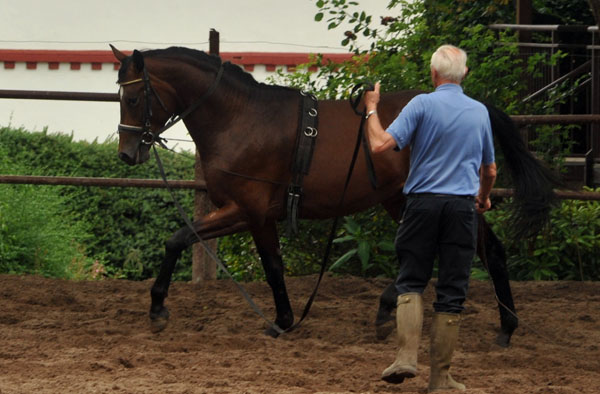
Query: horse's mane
<point>201,59</point>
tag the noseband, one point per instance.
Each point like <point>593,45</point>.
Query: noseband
<point>149,137</point>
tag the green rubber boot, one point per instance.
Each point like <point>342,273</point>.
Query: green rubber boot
<point>409,321</point>
<point>444,337</point>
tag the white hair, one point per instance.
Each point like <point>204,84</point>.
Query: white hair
<point>450,62</point>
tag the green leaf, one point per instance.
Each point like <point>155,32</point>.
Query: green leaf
<point>387,246</point>
<point>364,252</point>
<point>340,262</point>
<point>343,239</point>
<point>351,225</point>
<point>319,17</point>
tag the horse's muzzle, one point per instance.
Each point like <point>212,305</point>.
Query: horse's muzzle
<point>127,159</point>
<point>140,156</point>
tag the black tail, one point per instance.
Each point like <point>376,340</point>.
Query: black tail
<point>533,182</point>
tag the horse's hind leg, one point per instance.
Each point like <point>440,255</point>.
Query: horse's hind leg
<point>385,322</point>
<point>490,249</point>
<point>221,222</point>
<point>267,244</point>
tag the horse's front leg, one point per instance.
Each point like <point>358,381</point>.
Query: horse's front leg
<point>267,244</point>
<point>496,266</point>
<point>224,221</point>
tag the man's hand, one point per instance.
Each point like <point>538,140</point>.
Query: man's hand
<point>372,98</point>
<point>379,139</point>
<point>482,205</point>
<point>487,179</point>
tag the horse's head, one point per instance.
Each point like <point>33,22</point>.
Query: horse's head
<point>143,112</point>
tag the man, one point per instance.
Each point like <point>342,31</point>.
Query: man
<point>452,172</point>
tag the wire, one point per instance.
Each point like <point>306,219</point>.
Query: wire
<point>99,42</point>
<point>165,43</point>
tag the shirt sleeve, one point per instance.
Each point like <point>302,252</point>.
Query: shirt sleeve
<point>488,156</point>
<point>404,126</point>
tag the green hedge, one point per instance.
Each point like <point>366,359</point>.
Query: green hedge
<point>94,232</point>
<point>126,227</point>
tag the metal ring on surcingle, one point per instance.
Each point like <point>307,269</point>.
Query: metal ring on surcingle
<point>310,132</point>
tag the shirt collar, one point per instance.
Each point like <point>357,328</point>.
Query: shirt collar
<point>450,87</point>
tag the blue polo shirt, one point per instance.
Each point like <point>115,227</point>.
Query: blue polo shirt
<point>450,136</point>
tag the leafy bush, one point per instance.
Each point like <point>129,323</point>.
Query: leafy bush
<point>567,249</point>
<point>129,225</point>
<point>373,251</point>
<point>38,234</point>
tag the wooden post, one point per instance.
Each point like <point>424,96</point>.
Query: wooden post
<point>524,17</point>
<point>595,105</point>
<point>203,267</point>
<point>213,42</point>
<point>595,7</point>
<point>595,128</point>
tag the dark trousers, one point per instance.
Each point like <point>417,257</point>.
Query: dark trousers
<point>443,226</point>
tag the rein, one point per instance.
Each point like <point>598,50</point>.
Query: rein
<point>354,102</point>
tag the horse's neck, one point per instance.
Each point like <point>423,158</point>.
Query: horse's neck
<point>239,121</point>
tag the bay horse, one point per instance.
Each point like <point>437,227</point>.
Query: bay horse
<point>245,133</point>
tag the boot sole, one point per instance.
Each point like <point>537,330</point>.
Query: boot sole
<point>398,377</point>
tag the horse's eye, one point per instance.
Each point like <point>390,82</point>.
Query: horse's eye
<point>133,101</point>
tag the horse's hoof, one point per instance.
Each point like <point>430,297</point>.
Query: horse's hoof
<point>159,324</point>
<point>385,328</point>
<point>276,329</point>
<point>503,340</point>
<point>159,321</point>
<point>273,333</point>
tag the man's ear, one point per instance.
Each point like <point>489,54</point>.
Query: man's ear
<point>434,75</point>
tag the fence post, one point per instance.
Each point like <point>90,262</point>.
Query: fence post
<point>203,268</point>
<point>595,103</point>
<point>524,17</point>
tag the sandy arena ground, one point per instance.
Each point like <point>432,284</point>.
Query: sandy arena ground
<point>94,337</point>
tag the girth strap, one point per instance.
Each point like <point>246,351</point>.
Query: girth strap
<point>303,152</point>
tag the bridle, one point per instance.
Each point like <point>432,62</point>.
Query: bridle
<point>148,136</point>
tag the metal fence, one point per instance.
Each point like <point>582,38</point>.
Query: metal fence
<point>580,47</point>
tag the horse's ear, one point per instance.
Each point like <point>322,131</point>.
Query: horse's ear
<point>138,60</point>
<point>118,54</point>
